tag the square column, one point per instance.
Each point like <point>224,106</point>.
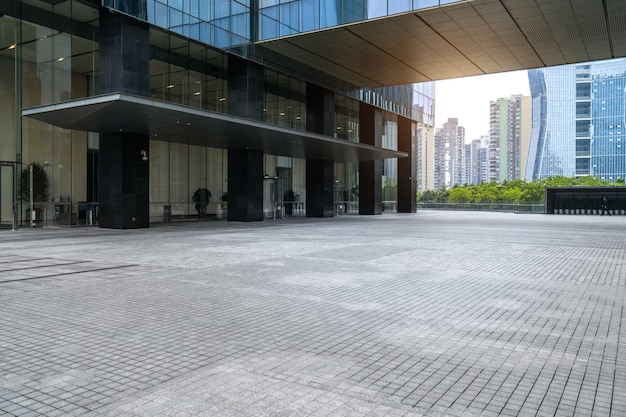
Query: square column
<point>124,60</point>
<point>320,181</point>
<point>123,191</point>
<point>246,88</point>
<point>370,172</point>
<point>320,174</point>
<point>320,110</point>
<point>407,167</point>
<point>245,185</point>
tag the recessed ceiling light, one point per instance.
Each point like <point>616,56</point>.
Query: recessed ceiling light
<point>170,86</point>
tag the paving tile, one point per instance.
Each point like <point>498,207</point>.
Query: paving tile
<point>434,313</point>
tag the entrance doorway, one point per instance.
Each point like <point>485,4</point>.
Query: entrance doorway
<point>8,196</point>
<point>273,188</point>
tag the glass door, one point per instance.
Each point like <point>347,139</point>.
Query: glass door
<point>273,197</point>
<point>8,196</point>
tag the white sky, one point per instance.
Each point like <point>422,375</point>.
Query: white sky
<point>468,99</point>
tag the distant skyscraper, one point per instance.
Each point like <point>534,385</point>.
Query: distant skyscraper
<point>449,150</point>
<point>509,133</point>
<point>477,161</point>
<point>578,122</point>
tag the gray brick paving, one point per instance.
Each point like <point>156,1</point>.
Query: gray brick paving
<point>432,314</point>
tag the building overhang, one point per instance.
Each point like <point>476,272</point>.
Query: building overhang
<point>467,38</point>
<point>118,112</point>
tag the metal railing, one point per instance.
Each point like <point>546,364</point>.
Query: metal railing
<point>537,208</point>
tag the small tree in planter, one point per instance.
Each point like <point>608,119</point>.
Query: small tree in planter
<point>41,188</point>
<point>201,199</point>
<point>41,184</point>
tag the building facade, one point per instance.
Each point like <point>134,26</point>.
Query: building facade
<point>130,109</point>
<point>449,154</point>
<point>578,118</point>
<point>425,158</point>
<point>509,136</point>
<point>477,161</point>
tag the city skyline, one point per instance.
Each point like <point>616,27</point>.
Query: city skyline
<point>468,99</point>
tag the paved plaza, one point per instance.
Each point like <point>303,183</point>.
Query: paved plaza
<point>430,314</point>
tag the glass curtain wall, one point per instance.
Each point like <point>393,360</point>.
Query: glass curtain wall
<point>48,54</point>
<point>346,118</point>
<point>221,23</point>
<point>283,17</point>
<point>285,101</point>
<point>390,166</point>
<point>186,72</point>
<point>177,172</point>
<point>9,120</point>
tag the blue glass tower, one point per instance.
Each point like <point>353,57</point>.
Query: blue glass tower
<point>578,115</point>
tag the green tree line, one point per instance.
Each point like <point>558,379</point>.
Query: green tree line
<point>518,191</point>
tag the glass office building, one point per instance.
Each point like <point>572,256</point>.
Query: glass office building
<point>120,111</point>
<point>578,121</point>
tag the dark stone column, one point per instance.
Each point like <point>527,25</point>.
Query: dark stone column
<point>124,60</point>
<point>407,167</point>
<point>245,185</point>
<point>123,181</point>
<point>246,88</point>
<point>320,181</point>
<point>320,110</point>
<point>370,172</point>
<point>245,166</point>
<point>320,174</point>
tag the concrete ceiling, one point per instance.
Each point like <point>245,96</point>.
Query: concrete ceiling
<point>113,113</point>
<point>463,39</point>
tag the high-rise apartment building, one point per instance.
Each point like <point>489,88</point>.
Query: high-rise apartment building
<point>449,154</point>
<point>425,158</point>
<point>578,120</point>
<point>509,133</point>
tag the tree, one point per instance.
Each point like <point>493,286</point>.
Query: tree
<point>41,184</point>
<point>460,195</point>
<point>533,192</point>
<point>428,196</point>
<point>511,195</point>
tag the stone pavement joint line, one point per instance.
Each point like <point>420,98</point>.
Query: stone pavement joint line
<point>430,314</point>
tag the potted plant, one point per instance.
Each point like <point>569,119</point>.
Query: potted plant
<point>201,199</point>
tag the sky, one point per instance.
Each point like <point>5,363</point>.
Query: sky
<point>468,99</point>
